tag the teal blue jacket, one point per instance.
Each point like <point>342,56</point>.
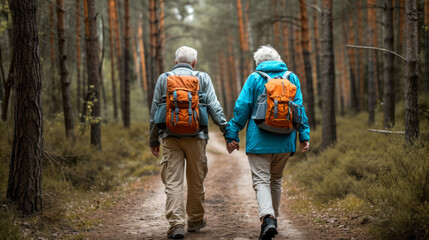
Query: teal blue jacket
<point>258,140</point>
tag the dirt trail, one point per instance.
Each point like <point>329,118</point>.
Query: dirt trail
<point>231,207</point>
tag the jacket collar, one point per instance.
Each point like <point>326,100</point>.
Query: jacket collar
<point>183,65</point>
<point>272,66</point>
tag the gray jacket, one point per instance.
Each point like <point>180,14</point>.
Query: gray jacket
<point>213,106</point>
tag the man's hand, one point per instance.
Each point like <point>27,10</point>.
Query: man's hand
<point>230,147</point>
<point>305,146</point>
<point>155,151</point>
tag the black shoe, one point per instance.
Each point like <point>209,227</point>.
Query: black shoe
<point>268,228</point>
<point>176,232</point>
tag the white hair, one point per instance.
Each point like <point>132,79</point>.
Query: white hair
<point>266,53</point>
<point>186,54</point>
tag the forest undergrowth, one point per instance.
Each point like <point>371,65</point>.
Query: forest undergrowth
<point>375,177</point>
<point>75,177</point>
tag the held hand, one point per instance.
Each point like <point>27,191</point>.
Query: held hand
<point>155,151</point>
<point>230,147</point>
<point>305,146</point>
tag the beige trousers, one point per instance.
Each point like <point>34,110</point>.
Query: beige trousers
<point>175,151</point>
<point>267,173</point>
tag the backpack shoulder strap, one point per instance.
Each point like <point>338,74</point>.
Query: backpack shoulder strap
<point>286,75</point>
<point>170,74</point>
<point>264,75</point>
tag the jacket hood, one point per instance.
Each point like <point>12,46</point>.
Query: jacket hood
<point>272,66</point>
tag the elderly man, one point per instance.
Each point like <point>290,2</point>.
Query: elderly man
<point>268,150</point>
<point>191,95</point>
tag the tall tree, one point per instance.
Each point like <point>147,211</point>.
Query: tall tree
<point>25,175</point>
<point>142,56</point>
<point>426,35</point>
<point>389,84</point>
<point>411,73</point>
<point>118,51</point>
<point>78,56</point>
<point>153,42</point>
<point>65,80</point>
<point>305,41</point>
<point>329,128</point>
<point>161,37</point>
<point>110,10</point>
<point>92,53</point>
<point>317,52</point>
<point>371,62</point>
<point>126,110</point>
<point>360,62</point>
<point>244,45</point>
<point>354,102</point>
<point>7,88</point>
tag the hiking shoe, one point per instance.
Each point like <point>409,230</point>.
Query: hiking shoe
<point>268,228</point>
<point>196,226</point>
<point>176,232</point>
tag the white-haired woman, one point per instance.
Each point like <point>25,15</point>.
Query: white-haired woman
<point>267,151</point>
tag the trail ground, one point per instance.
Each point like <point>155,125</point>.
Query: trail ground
<point>231,207</point>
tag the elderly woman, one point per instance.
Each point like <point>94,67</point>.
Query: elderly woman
<point>267,151</point>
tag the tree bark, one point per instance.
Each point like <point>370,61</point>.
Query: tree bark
<point>371,63</point>
<point>389,84</point>
<point>153,33</point>
<point>244,66</point>
<point>329,131</point>
<point>360,63</point>
<point>118,49</point>
<point>142,57</point>
<point>317,54</point>
<point>426,36</point>
<point>411,73</point>
<point>78,56</point>
<point>7,89</point>
<point>65,80</point>
<point>161,37</point>
<point>276,25</point>
<point>92,53</point>
<point>110,10</point>
<point>25,175</point>
<point>354,102</point>
<point>305,41</point>
<point>3,77</point>
<point>126,114</point>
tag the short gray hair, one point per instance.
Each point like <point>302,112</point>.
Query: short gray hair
<point>186,54</point>
<point>266,53</point>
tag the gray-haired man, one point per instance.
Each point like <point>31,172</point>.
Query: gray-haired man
<point>177,148</point>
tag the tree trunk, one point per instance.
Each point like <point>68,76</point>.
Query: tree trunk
<point>329,131</point>
<point>232,69</point>
<point>25,176</point>
<point>276,25</point>
<point>54,108</point>
<point>354,102</point>
<point>360,63</point>
<point>291,39</point>
<point>389,84</point>
<point>118,49</point>
<point>153,74</point>
<point>65,80</point>
<point>243,50</point>
<point>317,53</point>
<point>426,35</point>
<point>161,37</point>
<point>126,111</point>
<point>411,73</point>
<point>305,41</point>
<point>93,70</point>
<point>78,56</point>
<point>2,76</point>
<point>222,80</point>
<point>110,8</point>
<point>142,57</point>
<point>7,89</point>
<point>371,63</point>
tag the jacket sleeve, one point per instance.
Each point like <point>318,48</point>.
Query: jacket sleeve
<point>242,111</point>
<point>157,99</point>
<point>214,108</point>
<point>304,129</point>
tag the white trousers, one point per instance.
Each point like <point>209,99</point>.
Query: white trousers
<point>267,173</point>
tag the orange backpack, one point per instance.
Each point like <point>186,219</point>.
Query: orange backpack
<point>182,105</point>
<point>275,111</point>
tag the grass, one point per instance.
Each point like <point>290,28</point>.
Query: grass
<point>372,169</point>
<point>77,179</point>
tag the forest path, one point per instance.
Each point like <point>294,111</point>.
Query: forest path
<point>231,206</point>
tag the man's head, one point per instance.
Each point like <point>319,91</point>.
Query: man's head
<point>266,53</point>
<point>187,55</point>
